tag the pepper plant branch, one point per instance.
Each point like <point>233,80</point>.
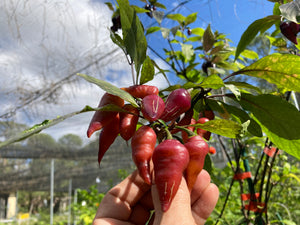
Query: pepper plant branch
<point>225,151</point>
<point>174,59</point>
<point>226,200</point>
<point>260,163</point>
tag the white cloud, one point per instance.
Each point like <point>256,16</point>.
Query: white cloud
<point>41,42</point>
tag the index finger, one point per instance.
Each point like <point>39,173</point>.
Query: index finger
<point>118,201</point>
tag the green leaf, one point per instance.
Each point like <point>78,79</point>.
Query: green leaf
<point>226,128</point>
<point>282,70</point>
<point>110,6</point>
<point>234,90</point>
<point>257,26</point>
<point>133,34</point>
<point>198,31</point>
<point>279,120</point>
<point>138,9</point>
<point>190,19</point>
<point>253,127</point>
<point>291,11</point>
<point>165,32</point>
<point>212,81</point>
<point>109,88</point>
<point>147,73</point>
<point>49,123</point>
<point>177,17</point>
<point>244,85</point>
<point>117,40</point>
<point>208,39</point>
<point>39,127</point>
<point>187,51</point>
<point>249,54</point>
<point>151,30</point>
<point>159,5</point>
<point>158,16</point>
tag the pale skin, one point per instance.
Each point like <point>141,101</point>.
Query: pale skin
<point>131,201</point>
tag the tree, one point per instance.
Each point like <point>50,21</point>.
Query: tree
<point>70,140</point>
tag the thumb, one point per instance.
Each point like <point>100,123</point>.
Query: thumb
<point>180,208</point>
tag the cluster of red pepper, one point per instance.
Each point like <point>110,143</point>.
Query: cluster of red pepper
<point>171,158</point>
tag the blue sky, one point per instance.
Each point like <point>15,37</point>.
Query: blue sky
<point>43,42</point>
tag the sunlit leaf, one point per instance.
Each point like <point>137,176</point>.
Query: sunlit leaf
<point>109,88</point>
<point>151,30</point>
<point>226,128</point>
<point>257,26</point>
<point>190,19</point>
<point>212,81</point>
<point>147,73</point>
<point>133,34</point>
<point>282,70</point>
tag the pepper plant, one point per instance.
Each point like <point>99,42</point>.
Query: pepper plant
<point>210,98</point>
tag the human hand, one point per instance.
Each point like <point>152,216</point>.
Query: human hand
<point>131,203</point>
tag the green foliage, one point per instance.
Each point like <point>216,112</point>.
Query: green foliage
<point>253,117</point>
<point>87,204</point>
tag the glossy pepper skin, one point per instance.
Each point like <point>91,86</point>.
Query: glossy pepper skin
<point>203,133</point>
<point>142,145</point>
<point>184,134</point>
<point>152,107</point>
<point>198,149</point>
<point>170,159</point>
<point>128,121</point>
<point>178,102</point>
<point>141,91</point>
<point>107,136</point>
<point>102,118</point>
<point>290,31</point>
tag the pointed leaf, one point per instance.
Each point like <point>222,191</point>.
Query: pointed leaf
<point>275,114</point>
<point>165,32</point>
<point>158,16</point>
<point>147,73</point>
<point>109,88</point>
<point>208,39</point>
<point>177,17</point>
<point>212,81</point>
<point>151,30</point>
<point>226,128</point>
<point>190,19</point>
<point>279,120</point>
<point>257,26</point>
<point>133,34</point>
<point>282,70</point>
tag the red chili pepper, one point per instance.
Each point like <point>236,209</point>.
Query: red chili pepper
<point>198,149</point>
<point>208,114</point>
<point>128,121</point>
<point>170,159</point>
<point>143,144</point>
<point>203,133</point>
<point>212,150</point>
<point>107,136</point>
<point>102,118</point>
<point>152,107</point>
<point>178,102</point>
<point>184,134</point>
<point>141,91</point>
